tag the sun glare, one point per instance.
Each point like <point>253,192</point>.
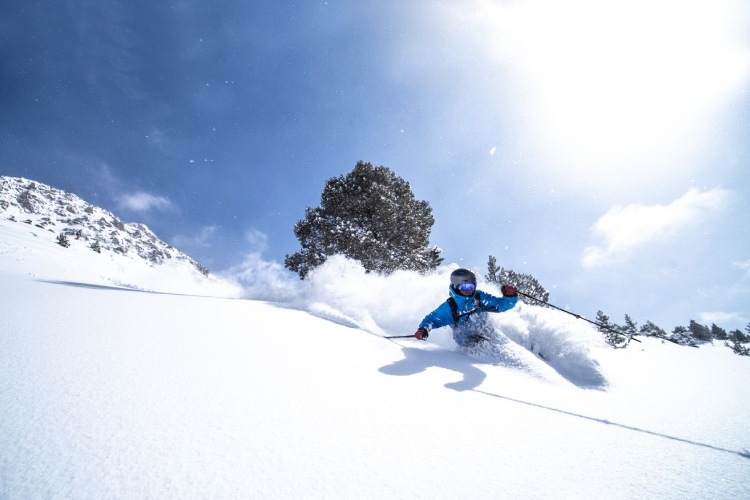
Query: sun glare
<point>608,83</point>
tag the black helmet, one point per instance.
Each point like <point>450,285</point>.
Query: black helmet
<point>466,278</point>
<point>463,276</point>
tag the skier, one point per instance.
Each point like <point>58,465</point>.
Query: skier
<point>466,310</point>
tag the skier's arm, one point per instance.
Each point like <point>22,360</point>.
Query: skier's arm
<point>441,316</point>
<point>497,304</point>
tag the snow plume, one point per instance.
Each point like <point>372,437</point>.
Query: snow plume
<point>341,291</point>
<point>263,280</point>
<point>564,342</point>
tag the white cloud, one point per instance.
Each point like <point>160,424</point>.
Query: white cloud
<point>144,202</point>
<point>720,318</point>
<point>625,229</point>
<point>128,197</point>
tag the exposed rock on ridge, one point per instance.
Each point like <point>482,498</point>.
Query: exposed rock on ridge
<point>63,213</point>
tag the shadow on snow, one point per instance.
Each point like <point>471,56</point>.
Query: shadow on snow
<point>419,360</point>
<point>123,288</point>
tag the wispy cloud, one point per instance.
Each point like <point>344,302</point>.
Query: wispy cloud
<point>143,202</point>
<point>106,179</point>
<point>625,229</point>
<point>720,318</point>
<point>128,197</point>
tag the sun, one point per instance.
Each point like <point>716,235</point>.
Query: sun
<point>608,84</point>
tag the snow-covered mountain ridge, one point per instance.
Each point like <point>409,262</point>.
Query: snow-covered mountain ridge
<point>62,213</point>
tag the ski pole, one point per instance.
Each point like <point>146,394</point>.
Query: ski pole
<point>400,336</point>
<point>578,316</point>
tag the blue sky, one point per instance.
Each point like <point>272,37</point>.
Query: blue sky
<point>601,147</point>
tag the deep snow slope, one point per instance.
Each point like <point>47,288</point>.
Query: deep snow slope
<point>118,392</point>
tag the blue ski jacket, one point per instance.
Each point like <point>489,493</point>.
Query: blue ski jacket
<point>472,311</point>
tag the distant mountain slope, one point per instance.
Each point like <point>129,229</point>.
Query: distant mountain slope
<point>63,213</point>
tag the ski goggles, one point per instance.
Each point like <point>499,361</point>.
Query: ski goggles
<point>466,287</point>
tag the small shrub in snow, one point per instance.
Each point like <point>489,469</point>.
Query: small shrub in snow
<point>613,333</point>
<point>62,240</point>
<point>737,341</point>
<point>738,348</point>
<point>651,330</point>
<point>681,335</point>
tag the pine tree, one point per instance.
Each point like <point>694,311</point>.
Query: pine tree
<point>613,333</point>
<point>718,333</point>
<point>369,215</point>
<point>681,335</point>
<point>699,332</point>
<point>630,328</point>
<point>603,320</point>
<point>651,330</point>
<point>525,283</point>
<point>738,341</point>
<point>492,269</point>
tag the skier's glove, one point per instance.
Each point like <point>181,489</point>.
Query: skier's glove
<point>509,290</point>
<point>421,334</point>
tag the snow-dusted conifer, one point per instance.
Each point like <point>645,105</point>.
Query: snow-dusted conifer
<point>717,332</point>
<point>369,215</point>
<point>699,332</point>
<point>737,341</point>
<point>630,328</point>
<point>525,283</point>
<point>651,330</point>
<point>681,335</point>
<point>612,332</point>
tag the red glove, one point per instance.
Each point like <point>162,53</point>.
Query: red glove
<point>421,334</point>
<point>509,290</point>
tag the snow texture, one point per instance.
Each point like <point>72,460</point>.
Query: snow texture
<point>121,379</point>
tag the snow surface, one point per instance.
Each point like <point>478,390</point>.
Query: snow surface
<point>122,380</point>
